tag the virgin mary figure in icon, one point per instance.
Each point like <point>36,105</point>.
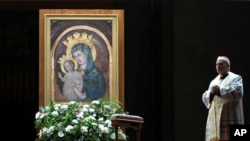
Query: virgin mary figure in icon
<point>84,82</point>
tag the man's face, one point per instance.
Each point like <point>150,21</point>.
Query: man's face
<point>222,67</point>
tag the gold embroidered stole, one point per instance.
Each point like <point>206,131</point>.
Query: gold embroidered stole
<point>214,118</point>
<point>215,114</point>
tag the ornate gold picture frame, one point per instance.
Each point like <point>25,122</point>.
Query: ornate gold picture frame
<point>81,55</point>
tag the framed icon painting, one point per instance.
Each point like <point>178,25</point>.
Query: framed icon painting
<point>81,55</point>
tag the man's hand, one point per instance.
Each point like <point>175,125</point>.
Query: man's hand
<point>215,90</point>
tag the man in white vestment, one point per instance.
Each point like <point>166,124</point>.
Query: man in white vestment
<point>223,98</point>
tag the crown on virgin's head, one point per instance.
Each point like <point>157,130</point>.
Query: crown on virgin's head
<point>77,38</point>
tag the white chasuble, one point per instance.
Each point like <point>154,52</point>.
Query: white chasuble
<point>225,109</point>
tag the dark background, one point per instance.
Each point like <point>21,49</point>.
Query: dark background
<point>170,52</point>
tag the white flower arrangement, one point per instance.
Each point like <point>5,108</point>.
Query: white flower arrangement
<point>75,122</point>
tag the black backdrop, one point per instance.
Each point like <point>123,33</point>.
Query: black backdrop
<point>170,53</point>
